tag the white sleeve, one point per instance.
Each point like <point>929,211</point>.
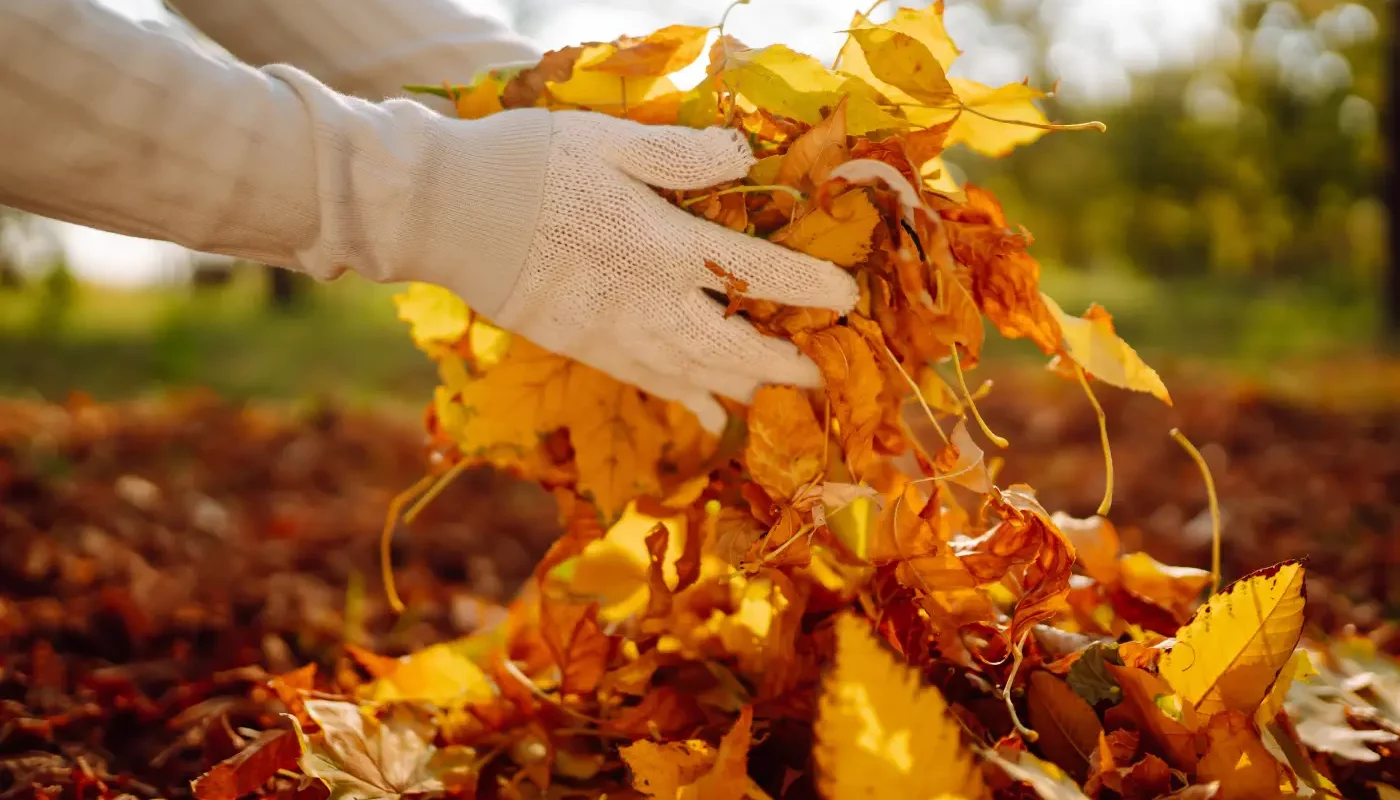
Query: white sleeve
<point>108,124</point>
<point>368,48</point>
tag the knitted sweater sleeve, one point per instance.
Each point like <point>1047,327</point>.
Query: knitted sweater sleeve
<point>368,48</point>
<point>109,124</point>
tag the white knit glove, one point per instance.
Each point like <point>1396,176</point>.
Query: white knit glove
<point>613,275</point>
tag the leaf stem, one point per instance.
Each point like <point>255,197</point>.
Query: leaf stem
<point>386,538</point>
<point>745,189</point>
<point>836,62</point>
<point>442,483</point>
<point>917,393</point>
<point>1093,125</point>
<point>1214,506</point>
<point>971,404</point>
<point>1107,501</point>
<point>1018,655</point>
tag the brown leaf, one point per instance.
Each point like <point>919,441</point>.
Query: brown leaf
<point>1069,729</point>
<point>250,768</point>
<point>1175,740</point>
<point>525,89</point>
<point>659,597</point>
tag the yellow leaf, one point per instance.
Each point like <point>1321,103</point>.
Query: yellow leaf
<point>1093,345</point>
<point>1239,761</point>
<point>692,769</point>
<point>841,235</point>
<point>699,107</point>
<point>481,100</point>
<point>880,733</point>
<point>1300,667</point>
<point>980,126</point>
<point>656,54</point>
<point>728,779</point>
<point>904,62</point>
<point>660,770</point>
<point>785,446</point>
<point>613,569</point>
<point>924,26</point>
<point>1228,655</point>
<point>617,435</point>
<point>1174,588</point>
<point>764,172</point>
<point>782,81</point>
<point>610,94</point>
<point>433,313</point>
<point>617,441</point>
<point>442,674</point>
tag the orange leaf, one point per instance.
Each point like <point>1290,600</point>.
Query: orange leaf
<point>853,384</point>
<point>580,647</point>
<point>1172,736</point>
<point>786,443</point>
<point>658,53</point>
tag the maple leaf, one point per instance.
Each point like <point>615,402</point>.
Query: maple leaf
<point>618,435</point>
<point>1229,654</point>
<point>840,233</point>
<point>786,443</point>
<point>363,758</point>
<point>879,733</point>
<point>434,314</point>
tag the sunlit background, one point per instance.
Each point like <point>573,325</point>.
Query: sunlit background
<point>1234,213</point>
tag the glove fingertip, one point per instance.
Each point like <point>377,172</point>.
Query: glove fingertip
<point>708,411</point>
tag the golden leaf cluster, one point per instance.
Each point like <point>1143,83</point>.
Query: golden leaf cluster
<point>835,599</point>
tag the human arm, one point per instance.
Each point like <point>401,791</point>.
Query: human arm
<point>367,48</point>
<point>542,221</point>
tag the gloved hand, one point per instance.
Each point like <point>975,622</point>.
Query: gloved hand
<point>613,276</point>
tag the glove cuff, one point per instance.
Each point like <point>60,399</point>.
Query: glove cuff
<point>486,194</point>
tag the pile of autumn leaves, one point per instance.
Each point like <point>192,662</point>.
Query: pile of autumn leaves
<point>833,598</point>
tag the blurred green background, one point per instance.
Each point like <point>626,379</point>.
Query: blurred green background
<point>1235,214</point>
